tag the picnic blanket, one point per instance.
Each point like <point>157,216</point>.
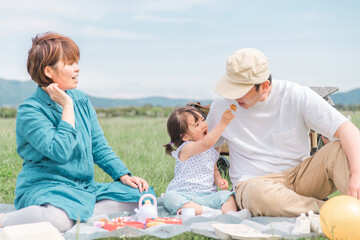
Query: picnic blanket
<point>279,226</point>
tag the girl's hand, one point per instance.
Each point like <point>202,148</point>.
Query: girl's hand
<point>222,183</point>
<point>135,182</point>
<point>59,96</point>
<point>227,117</point>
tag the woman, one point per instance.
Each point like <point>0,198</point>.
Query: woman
<point>59,139</point>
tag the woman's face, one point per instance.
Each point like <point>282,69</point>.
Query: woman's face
<point>65,75</point>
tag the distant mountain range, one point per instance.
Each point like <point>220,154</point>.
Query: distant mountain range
<point>13,93</point>
<point>347,98</point>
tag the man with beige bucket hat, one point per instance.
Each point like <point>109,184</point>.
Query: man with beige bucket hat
<point>270,167</point>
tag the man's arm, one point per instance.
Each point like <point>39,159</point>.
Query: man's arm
<point>349,136</point>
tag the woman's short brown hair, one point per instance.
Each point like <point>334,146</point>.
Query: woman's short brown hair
<point>47,50</point>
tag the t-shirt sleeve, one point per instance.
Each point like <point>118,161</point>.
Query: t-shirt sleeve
<point>318,114</point>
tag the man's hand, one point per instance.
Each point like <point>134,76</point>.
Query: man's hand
<point>135,182</point>
<point>354,186</point>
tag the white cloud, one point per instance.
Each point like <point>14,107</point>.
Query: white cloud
<point>154,5</point>
<point>94,32</point>
<point>149,18</point>
<point>92,10</point>
<point>168,5</point>
<point>12,26</point>
<point>16,24</point>
<point>79,9</point>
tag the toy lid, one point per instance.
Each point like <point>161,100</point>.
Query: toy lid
<point>147,196</point>
<point>110,226</point>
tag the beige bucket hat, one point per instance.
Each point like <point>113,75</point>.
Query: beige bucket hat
<point>244,68</point>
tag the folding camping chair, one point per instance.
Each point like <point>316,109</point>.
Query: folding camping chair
<point>317,140</point>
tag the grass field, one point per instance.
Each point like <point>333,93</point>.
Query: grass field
<point>138,141</point>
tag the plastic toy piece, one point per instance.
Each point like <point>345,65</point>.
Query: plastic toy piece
<point>117,223</point>
<point>111,226</point>
<point>158,221</point>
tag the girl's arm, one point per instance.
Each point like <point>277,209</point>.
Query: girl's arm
<point>209,140</point>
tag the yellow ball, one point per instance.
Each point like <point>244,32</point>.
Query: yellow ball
<point>340,218</point>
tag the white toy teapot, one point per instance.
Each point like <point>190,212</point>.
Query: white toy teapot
<point>147,210</point>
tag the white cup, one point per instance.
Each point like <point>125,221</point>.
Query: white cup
<point>188,211</point>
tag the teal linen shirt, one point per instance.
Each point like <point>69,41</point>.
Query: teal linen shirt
<point>58,160</point>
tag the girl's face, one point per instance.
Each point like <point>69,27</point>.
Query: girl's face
<point>65,75</point>
<point>198,129</point>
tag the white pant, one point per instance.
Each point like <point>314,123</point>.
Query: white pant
<point>58,217</point>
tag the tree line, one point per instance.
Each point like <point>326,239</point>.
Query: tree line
<point>348,108</point>
<point>147,111</point>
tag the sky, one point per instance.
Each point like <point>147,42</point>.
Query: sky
<point>179,48</point>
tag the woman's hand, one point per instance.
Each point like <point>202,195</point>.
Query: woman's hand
<point>64,100</point>
<point>135,182</point>
<point>222,183</point>
<point>59,96</point>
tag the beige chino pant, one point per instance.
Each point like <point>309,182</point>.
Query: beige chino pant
<point>299,189</point>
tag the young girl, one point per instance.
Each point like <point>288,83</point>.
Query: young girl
<point>196,172</point>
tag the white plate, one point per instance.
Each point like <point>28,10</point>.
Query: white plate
<point>31,231</point>
<point>240,231</point>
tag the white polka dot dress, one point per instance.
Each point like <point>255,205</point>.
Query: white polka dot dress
<point>195,174</point>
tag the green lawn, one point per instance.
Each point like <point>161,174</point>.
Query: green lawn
<point>138,142</point>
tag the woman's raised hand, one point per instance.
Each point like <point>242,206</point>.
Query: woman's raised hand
<point>135,182</point>
<point>59,96</point>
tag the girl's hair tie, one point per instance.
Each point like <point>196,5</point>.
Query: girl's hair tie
<point>170,143</point>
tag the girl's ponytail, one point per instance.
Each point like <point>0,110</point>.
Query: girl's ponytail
<point>177,126</point>
<point>169,148</point>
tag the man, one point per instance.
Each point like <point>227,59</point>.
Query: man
<point>270,167</point>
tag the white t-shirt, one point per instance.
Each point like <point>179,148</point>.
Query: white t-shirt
<point>273,136</point>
